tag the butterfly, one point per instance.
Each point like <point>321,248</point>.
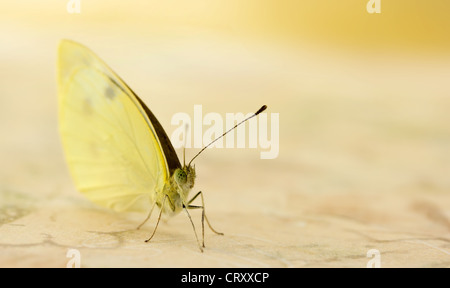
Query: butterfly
<point>118,154</point>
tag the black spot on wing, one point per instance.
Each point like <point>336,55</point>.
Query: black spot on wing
<point>110,93</point>
<point>112,90</point>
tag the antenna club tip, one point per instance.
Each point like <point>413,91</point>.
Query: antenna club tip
<point>264,107</point>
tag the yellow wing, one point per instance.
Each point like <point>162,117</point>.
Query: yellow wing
<point>111,146</point>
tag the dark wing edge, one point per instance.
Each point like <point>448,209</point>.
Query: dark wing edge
<point>169,152</point>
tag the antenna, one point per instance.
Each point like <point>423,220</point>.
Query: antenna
<point>186,127</point>
<point>264,107</point>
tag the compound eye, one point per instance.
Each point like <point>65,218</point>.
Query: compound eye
<point>180,176</point>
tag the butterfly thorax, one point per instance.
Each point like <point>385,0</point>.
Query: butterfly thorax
<point>176,190</point>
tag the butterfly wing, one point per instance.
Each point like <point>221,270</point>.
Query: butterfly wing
<point>112,149</point>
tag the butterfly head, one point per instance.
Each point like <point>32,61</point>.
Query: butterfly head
<point>185,177</point>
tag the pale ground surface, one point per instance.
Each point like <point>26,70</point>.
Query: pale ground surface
<point>364,157</point>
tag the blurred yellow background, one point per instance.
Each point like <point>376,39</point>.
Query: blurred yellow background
<point>364,113</point>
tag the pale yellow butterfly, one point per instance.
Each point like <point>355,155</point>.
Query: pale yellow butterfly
<point>118,153</point>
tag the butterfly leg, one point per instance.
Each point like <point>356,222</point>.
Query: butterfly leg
<point>203,221</point>
<point>148,217</point>
<point>202,207</point>
<point>203,215</point>
<point>159,217</point>
<point>195,232</point>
